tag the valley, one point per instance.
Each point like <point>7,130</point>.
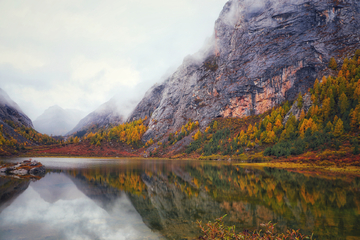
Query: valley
<point>260,125</point>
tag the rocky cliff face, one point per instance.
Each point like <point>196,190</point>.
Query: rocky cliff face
<point>9,110</point>
<point>264,52</point>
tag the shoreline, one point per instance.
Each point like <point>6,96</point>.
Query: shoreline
<point>286,164</point>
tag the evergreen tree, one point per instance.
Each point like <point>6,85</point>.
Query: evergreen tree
<point>343,103</point>
<point>326,108</point>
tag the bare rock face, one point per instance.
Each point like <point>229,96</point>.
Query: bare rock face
<point>296,111</point>
<point>264,52</point>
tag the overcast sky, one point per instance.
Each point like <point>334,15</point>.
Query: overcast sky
<point>80,53</point>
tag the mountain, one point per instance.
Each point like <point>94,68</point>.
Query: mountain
<point>10,111</point>
<point>58,121</point>
<point>107,114</point>
<point>263,53</point>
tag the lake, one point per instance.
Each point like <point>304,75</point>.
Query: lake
<point>81,198</point>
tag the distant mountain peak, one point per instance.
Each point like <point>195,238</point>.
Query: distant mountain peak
<point>57,121</point>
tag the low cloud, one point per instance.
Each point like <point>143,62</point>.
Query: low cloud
<point>79,54</point>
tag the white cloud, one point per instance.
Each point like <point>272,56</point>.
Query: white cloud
<point>21,58</point>
<point>78,53</point>
<point>97,72</point>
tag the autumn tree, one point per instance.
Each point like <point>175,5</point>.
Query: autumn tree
<point>302,114</point>
<point>339,128</point>
<point>355,117</point>
<point>197,135</point>
<point>215,125</point>
<point>270,137</point>
<point>300,101</point>
<point>278,126</point>
<point>269,127</point>
<point>333,64</point>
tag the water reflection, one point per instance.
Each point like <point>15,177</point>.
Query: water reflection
<point>150,199</point>
<point>10,189</point>
<point>54,208</point>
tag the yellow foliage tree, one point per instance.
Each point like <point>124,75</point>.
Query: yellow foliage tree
<point>207,129</point>
<point>215,125</point>
<point>270,137</point>
<point>306,124</point>
<point>269,127</point>
<point>333,64</point>
<point>76,140</point>
<point>197,135</point>
<point>302,114</point>
<point>278,125</point>
<point>339,128</point>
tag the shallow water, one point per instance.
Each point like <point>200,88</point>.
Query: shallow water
<point>159,199</point>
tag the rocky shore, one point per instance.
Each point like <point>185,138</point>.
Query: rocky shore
<point>25,168</point>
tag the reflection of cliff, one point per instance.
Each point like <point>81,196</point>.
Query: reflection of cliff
<point>171,199</point>
<point>163,205</point>
<point>10,189</point>
<point>167,209</point>
<point>98,191</point>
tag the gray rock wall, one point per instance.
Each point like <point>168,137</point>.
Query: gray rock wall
<point>264,52</point>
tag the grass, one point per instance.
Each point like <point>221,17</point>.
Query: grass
<point>217,230</point>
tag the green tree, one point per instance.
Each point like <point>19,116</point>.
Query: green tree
<point>343,103</point>
<point>326,108</point>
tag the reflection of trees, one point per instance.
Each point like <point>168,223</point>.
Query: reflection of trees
<point>172,198</point>
<point>125,181</point>
<point>318,205</point>
<point>10,189</point>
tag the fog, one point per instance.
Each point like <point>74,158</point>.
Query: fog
<point>79,54</point>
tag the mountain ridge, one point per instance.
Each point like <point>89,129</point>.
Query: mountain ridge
<point>107,114</point>
<point>10,111</point>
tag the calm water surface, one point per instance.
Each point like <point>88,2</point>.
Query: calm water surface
<point>148,199</point>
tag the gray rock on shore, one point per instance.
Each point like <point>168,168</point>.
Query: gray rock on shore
<point>26,167</point>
